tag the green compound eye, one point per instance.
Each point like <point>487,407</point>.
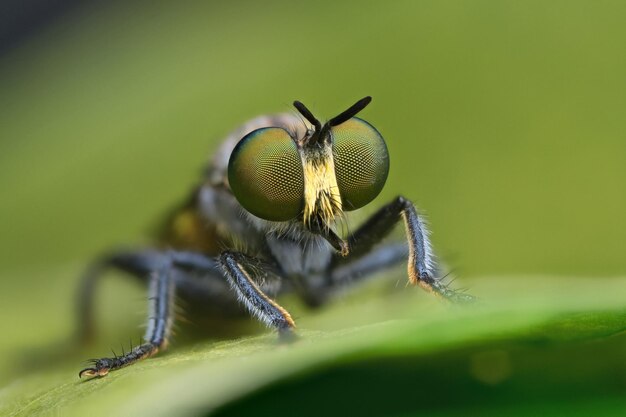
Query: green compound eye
<point>265,174</point>
<point>361,162</point>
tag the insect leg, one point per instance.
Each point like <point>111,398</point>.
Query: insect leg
<point>236,267</point>
<point>137,265</point>
<point>384,257</point>
<point>140,264</point>
<point>159,325</point>
<point>258,304</point>
<point>421,262</point>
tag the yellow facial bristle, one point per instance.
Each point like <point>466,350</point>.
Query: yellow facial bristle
<point>321,193</point>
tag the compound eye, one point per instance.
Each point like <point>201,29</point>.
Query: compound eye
<point>266,176</point>
<point>361,162</point>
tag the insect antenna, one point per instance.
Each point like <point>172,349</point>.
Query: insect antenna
<point>302,120</point>
<point>307,115</point>
<point>345,115</point>
<point>350,113</point>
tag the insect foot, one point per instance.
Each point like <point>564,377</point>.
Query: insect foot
<point>441,289</point>
<point>103,366</point>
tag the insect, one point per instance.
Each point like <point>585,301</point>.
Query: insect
<point>263,222</point>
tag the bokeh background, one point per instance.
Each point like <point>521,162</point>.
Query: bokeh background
<point>505,122</point>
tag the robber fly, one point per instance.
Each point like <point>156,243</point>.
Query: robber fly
<point>263,221</point>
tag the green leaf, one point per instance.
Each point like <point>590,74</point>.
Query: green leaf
<point>401,337</point>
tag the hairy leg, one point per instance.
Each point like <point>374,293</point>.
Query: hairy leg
<point>361,268</point>
<point>167,273</point>
<point>160,321</point>
<point>140,264</point>
<point>236,267</point>
<point>421,261</point>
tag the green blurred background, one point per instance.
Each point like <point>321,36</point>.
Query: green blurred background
<point>505,122</point>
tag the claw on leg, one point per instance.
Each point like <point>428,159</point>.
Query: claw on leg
<point>100,368</point>
<point>159,327</point>
<point>93,372</point>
